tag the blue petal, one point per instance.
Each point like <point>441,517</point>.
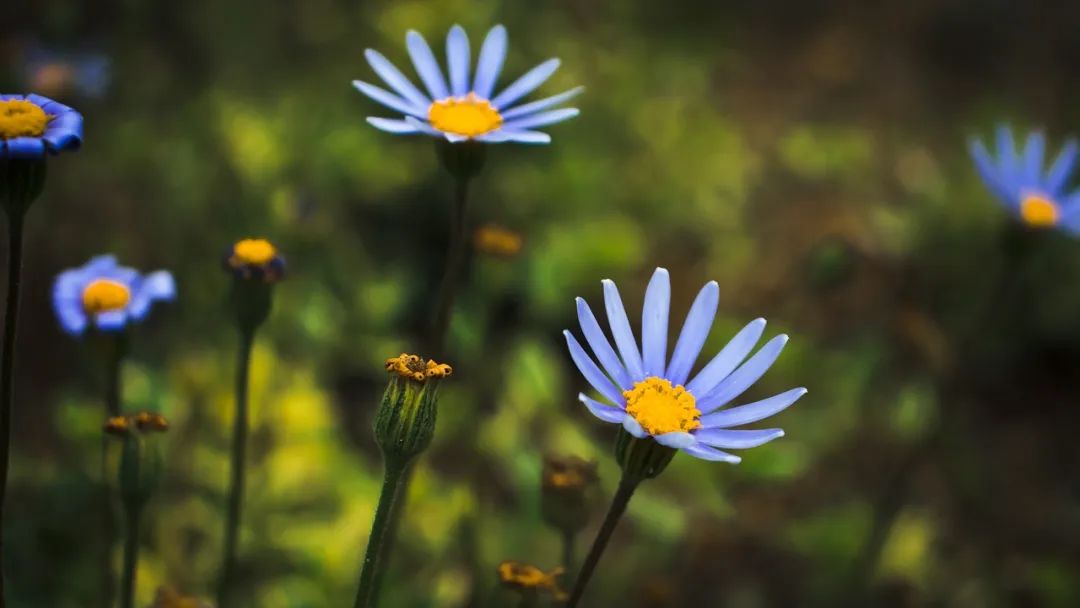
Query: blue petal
<point>11,96</point>
<point>694,333</point>
<point>601,411</point>
<point>1070,213</point>
<point>526,84</point>
<point>457,57</point>
<point>67,300</point>
<point>1062,168</point>
<point>395,79</point>
<point>677,440</point>
<point>990,174</point>
<point>426,65</point>
<point>521,137</point>
<point>1033,157</point>
<point>541,119</point>
<point>392,126</point>
<point>751,412</point>
<point>591,372</point>
<point>113,320</point>
<point>600,346</point>
<point>654,323</point>
<point>724,438</point>
<point>101,263</point>
<point>423,127</point>
<point>388,99</point>
<point>727,359</point>
<point>704,452</point>
<point>1006,152</point>
<point>543,104</point>
<point>24,147</point>
<point>156,286</point>
<point>620,330</point>
<point>488,66</point>
<point>633,427</point>
<point>744,377</point>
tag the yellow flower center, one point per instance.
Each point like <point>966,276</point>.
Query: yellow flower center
<point>253,252</point>
<point>21,118</point>
<point>416,368</point>
<point>467,116</point>
<point>662,408</point>
<point>1039,211</point>
<point>104,295</point>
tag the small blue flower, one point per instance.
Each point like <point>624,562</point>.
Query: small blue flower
<point>649,394</point>
<point>1033,194</point>
<point>465,109</point>
<point>107,296</point>
<point>32,125</point>
<point>52,71</point>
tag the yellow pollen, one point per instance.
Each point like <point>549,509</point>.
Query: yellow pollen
<point>1039,211</point>
<point>527,576</point>
<point>104,295</point>
<point>662,408</point>
<point>253,252</point>
<point>21,118</point>
<point>416,368</point>
<point>467,116</point>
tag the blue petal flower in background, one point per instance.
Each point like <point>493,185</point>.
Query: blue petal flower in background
<point>1033,193</point>
<point>106,296</point>
<point>32,125</point>
<point>58,72</point>
<point>460,108</point>
<point>653,395</point>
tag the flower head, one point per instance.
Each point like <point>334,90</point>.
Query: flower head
<point>256,260</point>
<point>650,395</point>
<point>460,108</point>
<point>564,492</point>
<point>405,419</point>
<point>32,125</point>
<point>107,296</point>
<point>1034,194</point>
<point>529,578</point>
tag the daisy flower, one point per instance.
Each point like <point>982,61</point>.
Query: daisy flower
<point>31,125</point>
<point>107,296</point>
<point>652,395</point>
<point>461,108</point>
<point>1032,193</point>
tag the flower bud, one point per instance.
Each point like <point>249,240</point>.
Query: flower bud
<point>405,420</point>
<point>256,266</point>
<point>527,578</point>
<point>564,492</point>
<point>641,458</point>
<point>140,460</point>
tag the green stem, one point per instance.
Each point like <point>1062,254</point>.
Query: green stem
<point>568,553</point>
<point>455,261</point>
<point>131,556</point>
<point>627,485</point>
<point>114,344</point>
<point>236,481</point>
<point>395,478</point>
<point>7,363</point>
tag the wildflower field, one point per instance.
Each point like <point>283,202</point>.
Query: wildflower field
<point>321,304</point>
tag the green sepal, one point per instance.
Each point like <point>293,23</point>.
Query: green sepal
<point>251,302</point>
<point>140,470</point>
<point>643,458</point>
<point>405,419</point>
<point>21,182</point>
<point>464,160</point>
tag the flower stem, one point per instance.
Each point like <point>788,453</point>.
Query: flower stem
<point>116,349</point>
<point>455,261</point>
<point>568,557</point>
<point>131,556</point>
<point>238,462</point>
<point>7,363</point>
<point>394,481</point>
<point>627,485</point>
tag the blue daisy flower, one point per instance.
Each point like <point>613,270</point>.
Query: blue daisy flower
<point>1033,194</point>
<point>650,395</point>
<point>107,296</point>
<point>32,125</point>
<point>458,108</point>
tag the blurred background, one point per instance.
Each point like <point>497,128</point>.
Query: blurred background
<point>810,156</point>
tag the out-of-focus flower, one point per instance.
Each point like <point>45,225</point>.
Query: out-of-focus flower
<point>1034,194</point>
<point>649,394</point>
<point>255,260</point>
<point>405,419</point>
<point>32,125</point>
<point>462,108</point>
<point>167,597</point>
<point>564,488</point>
<point>529,578</point>
<point>61,72</point>
<point>140,461</point>
<point>497,241</point>
<point>107,296</point>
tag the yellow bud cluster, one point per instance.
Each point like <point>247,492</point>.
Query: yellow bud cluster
<point>528,577</point>
<point>414,367</point>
